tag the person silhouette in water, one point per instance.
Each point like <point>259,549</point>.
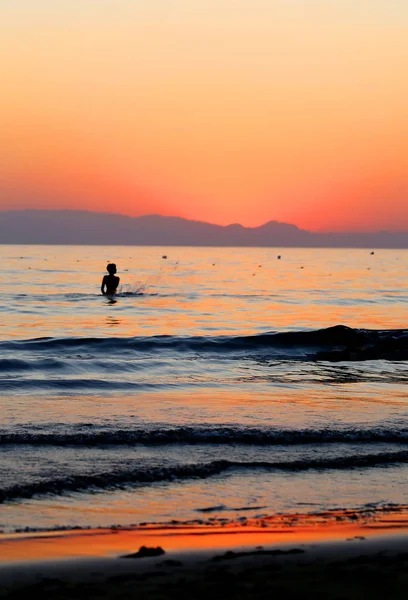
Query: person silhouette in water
<point>110,282</point>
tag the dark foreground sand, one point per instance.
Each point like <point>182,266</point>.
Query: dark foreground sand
<point>341,558</point>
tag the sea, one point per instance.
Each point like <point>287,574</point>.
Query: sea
<point>219,383</point>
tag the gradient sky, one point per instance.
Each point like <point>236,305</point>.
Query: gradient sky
<point>218,110</point>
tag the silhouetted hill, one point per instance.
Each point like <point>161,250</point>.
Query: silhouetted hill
<point>83,227</point>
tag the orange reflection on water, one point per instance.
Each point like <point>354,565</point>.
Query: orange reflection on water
<point>289,530</point>
<point>200,291</point>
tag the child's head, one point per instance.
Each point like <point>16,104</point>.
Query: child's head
<point>111,268</point>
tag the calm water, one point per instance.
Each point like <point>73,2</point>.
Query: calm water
<point>204,388</point>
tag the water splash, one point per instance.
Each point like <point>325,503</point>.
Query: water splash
<point>137,287</point>
<point>131,289</point>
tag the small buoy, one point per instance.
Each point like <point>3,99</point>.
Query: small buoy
<point>371,252</point>
<point>164,256</point>
<point>302,267</point>
<point>213,264</point>
<point>279,256</point>
<point>259,266</point>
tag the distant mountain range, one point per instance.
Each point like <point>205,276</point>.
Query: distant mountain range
<point>83,227</point>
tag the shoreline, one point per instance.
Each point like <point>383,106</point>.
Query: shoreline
<point>290,554</point>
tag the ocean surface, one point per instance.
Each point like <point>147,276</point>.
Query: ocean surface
<point>218,383</point>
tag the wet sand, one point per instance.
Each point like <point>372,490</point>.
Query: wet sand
<point>329,556</point>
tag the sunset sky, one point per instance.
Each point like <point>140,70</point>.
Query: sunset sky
<point>218,110</point>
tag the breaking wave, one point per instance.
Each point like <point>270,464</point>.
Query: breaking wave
<point>338,343</point>
<point>121,479</point>
<point>198,435</point>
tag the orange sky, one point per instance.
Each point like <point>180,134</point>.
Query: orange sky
<point>219,110</point>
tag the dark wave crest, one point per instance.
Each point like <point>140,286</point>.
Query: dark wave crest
<point>198,435</point>
<point>332,344</point>
<point>148,475</point>
<point>72,385</point>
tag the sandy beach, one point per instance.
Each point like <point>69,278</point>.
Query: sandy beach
<point>340,555</point>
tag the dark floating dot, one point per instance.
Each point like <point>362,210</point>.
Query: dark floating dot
<point>164,256</point>
<point>279,257</point>
<point>371,252</point>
